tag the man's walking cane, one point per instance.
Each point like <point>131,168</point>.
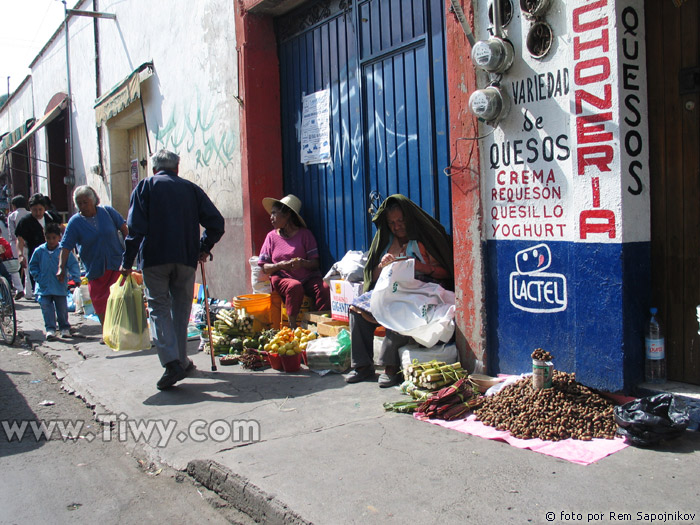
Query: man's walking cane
<point>206,309</point>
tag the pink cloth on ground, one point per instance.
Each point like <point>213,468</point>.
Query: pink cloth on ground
<point>574,450</point>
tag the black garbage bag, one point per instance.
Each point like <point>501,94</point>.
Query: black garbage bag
<point>648,420</point>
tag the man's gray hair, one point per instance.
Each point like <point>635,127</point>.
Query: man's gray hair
<point>85,190</point>
<point>165,160</point>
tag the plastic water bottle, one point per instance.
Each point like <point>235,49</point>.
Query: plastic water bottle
<point>655,364</point>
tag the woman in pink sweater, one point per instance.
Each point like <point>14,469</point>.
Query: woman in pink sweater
<point>290,256</point>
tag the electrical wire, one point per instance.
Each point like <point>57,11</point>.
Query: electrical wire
<point>448,170</point>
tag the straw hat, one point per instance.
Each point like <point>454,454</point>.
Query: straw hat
<point>290,201</point>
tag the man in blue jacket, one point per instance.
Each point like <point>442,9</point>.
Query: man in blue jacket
<point>165,214</point>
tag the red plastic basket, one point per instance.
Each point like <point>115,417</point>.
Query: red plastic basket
<point>275,361</point>
<point>291,363</point>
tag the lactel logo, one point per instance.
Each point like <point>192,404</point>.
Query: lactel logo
<point>531,288</point>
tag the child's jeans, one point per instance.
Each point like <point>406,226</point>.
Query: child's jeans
<point>53,306</point>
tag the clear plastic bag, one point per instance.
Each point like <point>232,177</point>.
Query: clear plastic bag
<point>126,326</point>
<point>329,353</point>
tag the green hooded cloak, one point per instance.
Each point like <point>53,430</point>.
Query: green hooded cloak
<point>420,227</point>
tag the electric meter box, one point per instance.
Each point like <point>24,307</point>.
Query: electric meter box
<point>489,104</point>
<point>493,55</point>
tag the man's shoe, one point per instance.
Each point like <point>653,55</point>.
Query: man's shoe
<point>386,380</point>
<point>360,374</point>
<point>19,295</point>
<point>66,333</point>
<point>50,335</point>
<point>173,373</point>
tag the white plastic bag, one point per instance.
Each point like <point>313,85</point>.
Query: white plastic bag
<point>402,303</point>
<point>259,280</point>
<point>78,300</point>
<point>350,268</point>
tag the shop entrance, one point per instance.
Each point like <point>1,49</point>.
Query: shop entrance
<point>138,154</point>
<point>673,56</point>
<point>128,154</point>
<point>58,160</point>
<point>21,169</point>
<point>383,65</point>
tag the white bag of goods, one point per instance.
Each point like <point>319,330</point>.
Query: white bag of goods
<point>259,280</point>
<point>350,268</point>
<point>402,303</point>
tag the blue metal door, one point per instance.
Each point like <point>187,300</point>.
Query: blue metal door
<point>383,62</point>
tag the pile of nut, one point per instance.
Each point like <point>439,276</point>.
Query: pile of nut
<point>540,355</point>
<point>567,410</point>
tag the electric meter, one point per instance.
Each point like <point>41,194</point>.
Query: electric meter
<point>493,55</point>
<point>489,105</point>
<point>534,8</point>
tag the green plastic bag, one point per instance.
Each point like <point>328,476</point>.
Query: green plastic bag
<point>341,355</point>
<point>126,327</point>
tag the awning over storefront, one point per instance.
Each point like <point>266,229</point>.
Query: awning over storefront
<point>18,136</point>
<point>123,94</point>
<point>48,117</point>
<point>15,136</point>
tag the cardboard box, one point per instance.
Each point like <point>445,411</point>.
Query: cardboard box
<point>331,328</point>
<point>342,294</point>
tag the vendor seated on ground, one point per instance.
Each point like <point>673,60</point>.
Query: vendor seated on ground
<point>290,256</point>
<point>403,230</point>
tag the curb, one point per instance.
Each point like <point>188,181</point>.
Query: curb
<point>235,489</point>
<point>242,494</point>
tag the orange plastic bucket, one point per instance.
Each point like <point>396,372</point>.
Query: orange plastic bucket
<point>257,305</point>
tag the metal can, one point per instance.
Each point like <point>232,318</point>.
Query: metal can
<point>541,374</point>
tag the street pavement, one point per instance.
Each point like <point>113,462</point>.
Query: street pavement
<point>305,448</point>
<point>59,480</point>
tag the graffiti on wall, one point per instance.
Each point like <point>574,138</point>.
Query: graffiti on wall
<point>205,142</point>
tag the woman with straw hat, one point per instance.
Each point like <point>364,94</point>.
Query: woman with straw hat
<point>290,256</point>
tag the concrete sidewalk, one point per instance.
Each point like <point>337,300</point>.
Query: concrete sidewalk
<point>328,453</point>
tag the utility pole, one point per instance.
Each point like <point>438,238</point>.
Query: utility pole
<point>67,13</point>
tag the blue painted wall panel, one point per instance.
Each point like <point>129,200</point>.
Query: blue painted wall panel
<point>597,332</point>
<point>388,122</point>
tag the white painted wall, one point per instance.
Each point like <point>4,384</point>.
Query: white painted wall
<point>19,109</point>
<point>189,102</point>
<point>554,168</point>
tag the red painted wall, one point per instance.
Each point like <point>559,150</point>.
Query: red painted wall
<point>260,124</point>
<point>466,190</point>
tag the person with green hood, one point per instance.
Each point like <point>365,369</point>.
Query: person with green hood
<point>404,230</point>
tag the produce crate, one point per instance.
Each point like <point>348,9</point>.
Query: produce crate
<point>316,317</point>
<point>331,328</point>
<point>308,326</point>
<point>305,308</point>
